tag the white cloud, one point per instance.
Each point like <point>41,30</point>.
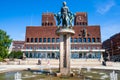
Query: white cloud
<point>105,6</point>
<point>109,30</point>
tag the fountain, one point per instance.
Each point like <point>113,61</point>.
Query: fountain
<point>113,76</point>
<point>17,76</point>
<point>88,69</point>
<point>65,32</point>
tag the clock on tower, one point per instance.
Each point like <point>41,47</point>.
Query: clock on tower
<point>81,19</point>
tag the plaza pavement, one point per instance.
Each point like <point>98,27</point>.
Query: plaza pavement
<point>53,63</point>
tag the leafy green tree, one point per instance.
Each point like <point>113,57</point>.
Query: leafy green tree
<point>5,43</point>
<point>15,54</point>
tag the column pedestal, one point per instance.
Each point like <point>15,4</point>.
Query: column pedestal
<point>65,50</point>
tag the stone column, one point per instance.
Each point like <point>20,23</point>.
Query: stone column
<point>65,49</point>
<point>65,54</point>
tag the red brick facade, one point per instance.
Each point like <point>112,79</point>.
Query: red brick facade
<point>44,37</point>
<point>112,46</point>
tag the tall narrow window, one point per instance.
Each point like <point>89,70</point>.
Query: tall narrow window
<point>40,39</point>
<point>53,39</point>
<point>48,47</point>
<point>93,39</point>
<point>27,39</point>
<point>89,40</point>
<point>79,39</point>
<point>84,40</point>
<point>51,24</point>
<point>71,39</point>
<point>48,40</point>
<point>75,40</point>
<point>98,40</point>
<point>57,40</point>
<point>44,39</point>
<point>32,40</point>
<point>36,39</point>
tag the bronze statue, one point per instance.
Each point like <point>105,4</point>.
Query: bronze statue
<point>66,16</point>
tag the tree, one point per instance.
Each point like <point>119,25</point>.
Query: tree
<point>16,54</point>
<point>5,43</point>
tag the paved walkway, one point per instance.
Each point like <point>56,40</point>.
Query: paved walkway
<point>6,68</point>
<point>53,63</point>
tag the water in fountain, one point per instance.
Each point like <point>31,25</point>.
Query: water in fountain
<point>113,76</point>
<point>17,76</point>
<point>39,71</point>
<point>104,76</point>
<point>79,70</point>
<point>41,68</point>
<point>50,69</point>
<point>88,69</point>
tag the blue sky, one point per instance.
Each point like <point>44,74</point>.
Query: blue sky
<point>15,15</point>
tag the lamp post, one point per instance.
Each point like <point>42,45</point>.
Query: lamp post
<point>112,48</point>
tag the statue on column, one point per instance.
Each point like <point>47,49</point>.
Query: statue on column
<point>66,16</point>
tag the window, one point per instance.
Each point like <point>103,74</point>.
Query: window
<point>42,24</point>
<point>71,39</point>
<point>75,39</point>
<point>84,47</point>
<point>98,47</point>
<point>76,47</point>
<point>93,47</point>
<point>53,39</point>
<point>35,47</point>
<point>98,40</point>
<point>93,39</point>
<point>40,47</point>
<point>32,40</point>
<point>57,40</point>
<point>89,40</point>
<point>48,24</point>
<point>52,47</point>
<point>36,39</point>
<point>57,47</point>
<point>48,40</point>
<point>49,47</point>
<point>51,24</point>
<point>80,23</point>
<point>27,39</point>
<point>44,47</point>
<point>27,47</point>
<point>45,24</point>
<point>44,39</point>
<point>77,23</point>
<point>84,40</point>
<point>30,47</point>
<point>80,40</point>
<point>40,39</point>
<point>89,47</point>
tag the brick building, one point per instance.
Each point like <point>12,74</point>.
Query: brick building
<point>112,47</point>
<point>17,45</point>
<point>42,41</point>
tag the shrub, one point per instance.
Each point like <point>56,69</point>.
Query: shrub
<point>15,54</point>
